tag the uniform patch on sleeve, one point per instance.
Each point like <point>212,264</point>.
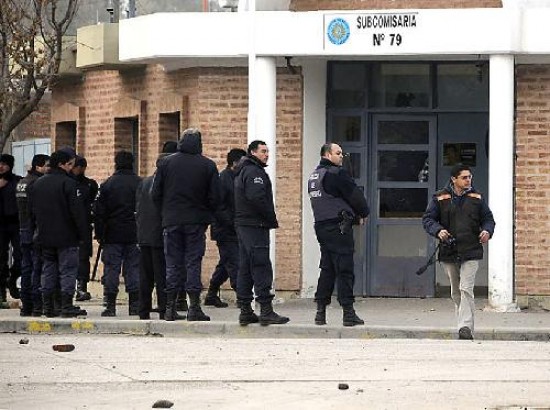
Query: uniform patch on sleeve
<point>443,197</point>
<point>258,180</point>
<point>474,195</point>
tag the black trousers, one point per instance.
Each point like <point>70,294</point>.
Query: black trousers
<point>255,270</point>
<point>336,264</point>
<point>228,265</point>
<point>152,274</point>
<point>85,251</point>
<point>9,235</point>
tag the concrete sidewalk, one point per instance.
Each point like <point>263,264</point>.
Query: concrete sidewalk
<point>384,318</point>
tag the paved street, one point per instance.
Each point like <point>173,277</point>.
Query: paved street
<point>125,372</point>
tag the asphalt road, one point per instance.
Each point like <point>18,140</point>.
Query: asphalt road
<point>132,372</point>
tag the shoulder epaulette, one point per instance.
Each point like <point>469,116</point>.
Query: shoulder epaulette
<point>443,197</point>
<point>474,195</point>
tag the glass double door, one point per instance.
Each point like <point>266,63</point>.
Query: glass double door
<point>398,182</point>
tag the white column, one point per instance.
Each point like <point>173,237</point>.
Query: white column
<point>315,86</point>
<point>501,182</point>
<point>265,125</point>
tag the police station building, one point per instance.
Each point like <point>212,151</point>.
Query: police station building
<point>408,89</point>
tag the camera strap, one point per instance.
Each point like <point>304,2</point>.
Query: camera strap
<point>430,262</point>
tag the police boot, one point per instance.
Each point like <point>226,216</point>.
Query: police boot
<point>350,318</point>
<point>269,317</point>
<point>195,313</point>
<point>171,313</point>
<point>37,305</point>
<point>181,302</point>
<point>247,315</point>
<point>321,314</point>
<point>67,307</point>
<point>82,293</point>
<point>26,305</point>
<point>133,303</point>
<point>47,304</point>
<point>110,303</point>
<point>212,298</point>
<point>57,303</point>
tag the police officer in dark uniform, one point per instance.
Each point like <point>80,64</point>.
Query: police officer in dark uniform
<point>337,204</point>
<point>58,216</point>
<point>224,234</point>
<point>461,219</point>
<point>9,229</point>
<point>31,261</point>
<point>89,189</point>
<point>186,190</point>
<point>152,266</point>
<point>115,228</point>
<point>254,218</point>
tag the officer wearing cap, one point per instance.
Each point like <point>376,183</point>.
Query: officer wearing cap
<point>58,217</point>
<point>9,228</point>
<point>89,189</point>
<point>31,261</point>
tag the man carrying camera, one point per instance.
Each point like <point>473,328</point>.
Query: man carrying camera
<point>461,219</point>
<point>337,204</point>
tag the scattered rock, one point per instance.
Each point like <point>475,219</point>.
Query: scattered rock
<point>163,404</point>
<point>24,341</point>
<point>63,348</point>
<point>343,386</point>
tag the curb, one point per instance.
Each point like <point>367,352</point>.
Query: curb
<point>233,330</point>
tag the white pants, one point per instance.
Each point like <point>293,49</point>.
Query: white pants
<point>462,277</point>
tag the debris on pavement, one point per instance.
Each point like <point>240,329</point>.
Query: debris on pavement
<point>163,404</point>
<point>63,348</point>
<point>343,386</point>
<point>24,341</point>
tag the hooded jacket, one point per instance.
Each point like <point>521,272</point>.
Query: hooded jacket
<point>186,185</point>
<point>254,195</point>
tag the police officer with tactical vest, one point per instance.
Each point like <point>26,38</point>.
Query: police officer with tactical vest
<point>461,219</point>
<point>337,204</point>
<point>31,261</point>
<point>58,217</point>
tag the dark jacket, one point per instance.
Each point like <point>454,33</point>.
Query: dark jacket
<point>89,189</point>
<point>186,185</point>
<point>464,216</point>
<point>223,230</point>
<point>57,213</point>
<point>148,219</point>
<point>340,184</point>
<point>22,189</point>
<point>254,195</point>
<point>115,207</point>
<point>9,213</point>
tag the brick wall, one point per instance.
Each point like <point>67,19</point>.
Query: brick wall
<point>36,125</point>
<point>309,5</point>
<point>213,99</point>
<point>533,180</point>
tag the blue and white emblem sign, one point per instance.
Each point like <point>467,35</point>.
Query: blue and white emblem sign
<point>338,31</point>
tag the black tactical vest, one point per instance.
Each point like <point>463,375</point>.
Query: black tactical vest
<point>324,205</point>
<point>22,200</point>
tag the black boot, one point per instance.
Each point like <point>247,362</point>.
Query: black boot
<point>321,315</point>
<point>110,303</point>
<point>82,293</point>
<point>181,302</point>
<point>212,298</point>
<point>171,313</point>
<point>350,318</point>
<point>133,303</point>
<point>269,317</point>
<point>67,307</point>
<point>247,315</point>
<point>47,304</point>
<point>195,313</point>
<point>37,305</point>
<point>57,306</point>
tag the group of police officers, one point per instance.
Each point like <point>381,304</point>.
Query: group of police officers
<point>153,232</point>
